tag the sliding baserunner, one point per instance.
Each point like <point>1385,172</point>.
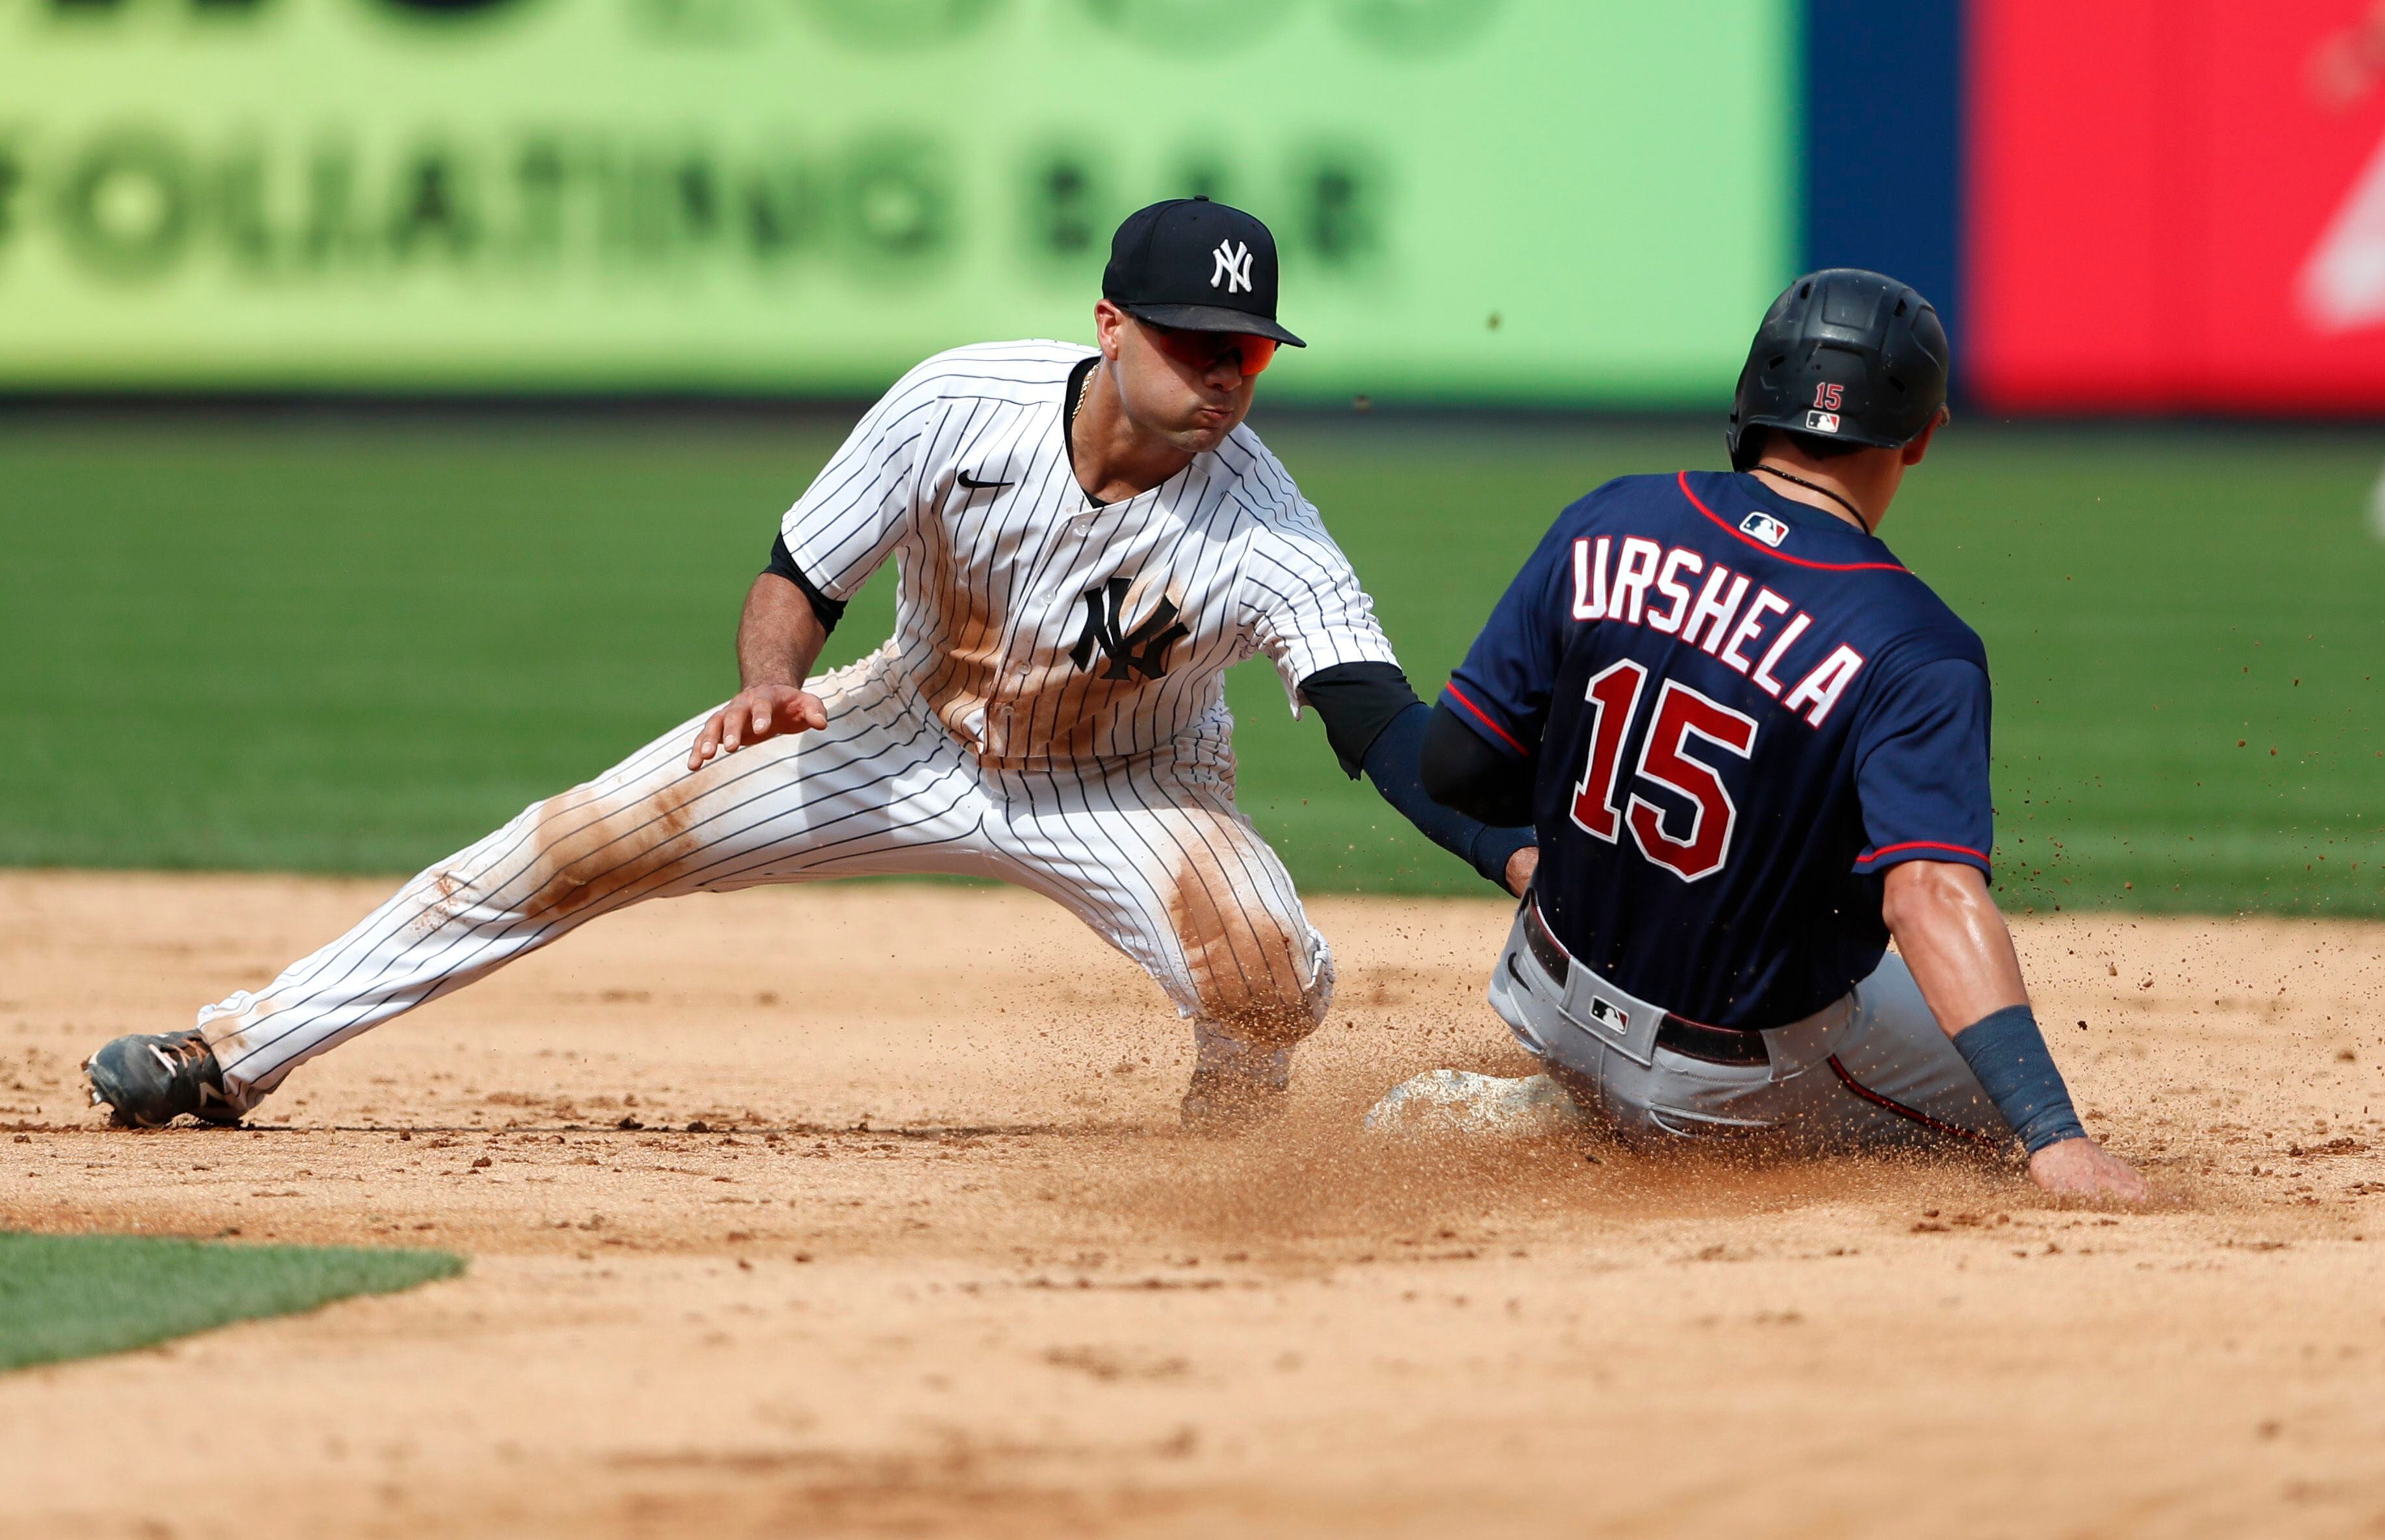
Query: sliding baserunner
<point>1087,539</point>
<point>1755,748</point>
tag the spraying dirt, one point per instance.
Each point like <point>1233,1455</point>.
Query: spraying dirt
<point>862,1209</point>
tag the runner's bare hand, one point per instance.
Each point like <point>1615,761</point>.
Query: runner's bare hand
<point>2081,1168</point>
<point>1521,867</point>
<point>762,711</point>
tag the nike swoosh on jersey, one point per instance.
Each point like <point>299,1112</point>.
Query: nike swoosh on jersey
<point>975,485</point>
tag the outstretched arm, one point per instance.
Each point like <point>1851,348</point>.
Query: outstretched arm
<point>1952,936</point>
<point>1462,770</point>
<point>1376,725</point>
<point>779,639</point>
<point>846,523</point>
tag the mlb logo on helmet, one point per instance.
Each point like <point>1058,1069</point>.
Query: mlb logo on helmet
<point>1828,397</point>
<point>1764,527</point>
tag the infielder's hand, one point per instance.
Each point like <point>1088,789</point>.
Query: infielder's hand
<point>1521,867</point>
<point>764,711</point>
<point>2081,1168</point>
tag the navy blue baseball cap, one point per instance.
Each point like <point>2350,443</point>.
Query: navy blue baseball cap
<point>1196,265</point>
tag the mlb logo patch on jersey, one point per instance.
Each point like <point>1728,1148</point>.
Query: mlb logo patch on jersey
<point>1608,1014</point>
<point>1764,527</point>
<point>1821,422</point>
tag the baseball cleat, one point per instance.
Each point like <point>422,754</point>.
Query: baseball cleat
<point>148,1081</point>
<point>1225,1100</point>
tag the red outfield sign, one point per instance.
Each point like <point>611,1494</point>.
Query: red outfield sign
<point>2176,205</point>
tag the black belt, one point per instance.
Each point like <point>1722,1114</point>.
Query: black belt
<point>1713,1045</point>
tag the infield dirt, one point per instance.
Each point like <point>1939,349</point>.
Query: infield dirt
<point>937,1261</point>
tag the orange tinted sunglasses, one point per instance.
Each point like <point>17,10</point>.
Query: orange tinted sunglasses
<point>1202,350</point>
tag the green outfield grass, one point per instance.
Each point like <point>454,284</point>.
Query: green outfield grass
<point>334,645</point>
<point>74,1297</point>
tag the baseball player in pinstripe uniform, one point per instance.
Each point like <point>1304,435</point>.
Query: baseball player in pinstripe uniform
<point>1087,539</point>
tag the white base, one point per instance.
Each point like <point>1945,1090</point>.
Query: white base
<point>1459,1102</point>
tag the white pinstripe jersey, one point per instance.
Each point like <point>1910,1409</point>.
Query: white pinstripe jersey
<point>1041,628</point>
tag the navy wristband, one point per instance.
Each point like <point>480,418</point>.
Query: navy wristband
<point>2007,1052</point>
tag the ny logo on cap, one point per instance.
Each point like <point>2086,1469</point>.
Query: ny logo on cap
<point>1233,269</point>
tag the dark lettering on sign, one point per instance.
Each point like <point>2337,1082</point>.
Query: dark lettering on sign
<point>1336,209</point>
<point>569,202</point>
<point>695,197</point>
<point>333,235</point>
<point>539,180</point>
<point>898,203</point>
<point>783,210</point>
<point>1064,211</point>
<point>1327,206</point>
<point>125,207</point>
<point>430,206</point>
<point>661,204</point>
<point>239,206</point>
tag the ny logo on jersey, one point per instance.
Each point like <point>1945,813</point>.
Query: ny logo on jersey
<point>1233,269</point>
<point>1140,651</point>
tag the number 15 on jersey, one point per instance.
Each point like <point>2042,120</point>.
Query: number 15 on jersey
<point>1666,759</point>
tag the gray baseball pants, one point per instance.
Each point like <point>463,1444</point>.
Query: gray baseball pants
<point>1871,1070</point>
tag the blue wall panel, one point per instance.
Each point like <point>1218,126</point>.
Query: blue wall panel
<point>1883,157</point>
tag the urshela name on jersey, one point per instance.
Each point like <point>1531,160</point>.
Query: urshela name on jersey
<point>1646,583</point>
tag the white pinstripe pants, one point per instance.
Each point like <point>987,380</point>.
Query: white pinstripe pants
<point>1150,853</point>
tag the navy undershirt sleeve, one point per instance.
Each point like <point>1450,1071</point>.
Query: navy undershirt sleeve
<point>1377,726</point>
<point>1463,770</point>
<point>1395,763</point>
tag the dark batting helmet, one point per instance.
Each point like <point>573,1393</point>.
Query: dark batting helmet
<point>1843,354</point>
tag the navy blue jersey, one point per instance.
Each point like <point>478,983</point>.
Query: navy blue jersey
<point>1744,710</point>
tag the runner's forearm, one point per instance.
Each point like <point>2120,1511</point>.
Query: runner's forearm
<point>1951,933</point>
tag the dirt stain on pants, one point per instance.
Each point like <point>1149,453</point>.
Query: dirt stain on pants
<point>1255,970</point>
<point>593,846</point>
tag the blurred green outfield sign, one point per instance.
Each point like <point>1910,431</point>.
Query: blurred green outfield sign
<point>1566,200</point>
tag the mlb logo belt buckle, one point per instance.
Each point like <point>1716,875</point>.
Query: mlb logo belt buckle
<point>1608,1015</point>
<point>1589,1003</point>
